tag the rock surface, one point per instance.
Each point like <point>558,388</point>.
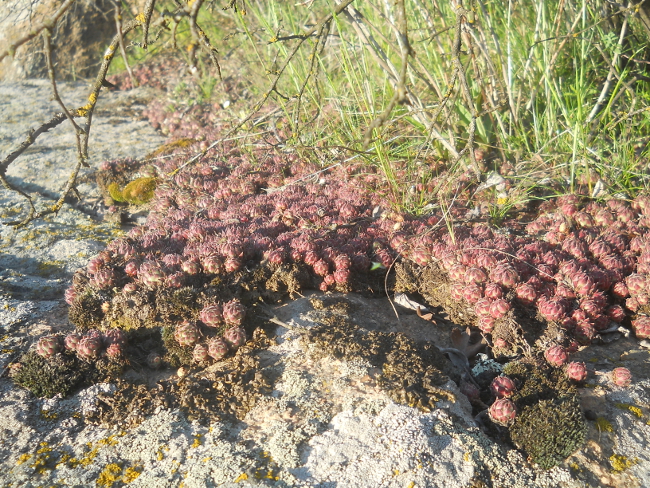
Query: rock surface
<point>325,423</point>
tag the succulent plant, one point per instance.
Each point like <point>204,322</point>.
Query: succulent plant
<point>235,337</point>
<point>621,377</point>
<point>114,350</point>
<point>556,356</point>
<point>72,341</point>
<point>470,390</point>
<point>217,348</point>
<point>505,275</point>
<point>212,315</point>
<point>130,288</point>
<point>70,295</point>
<point>499,308</point>
<point>89,347</point>
<point>104,278</point>
<point>526,293</point>
<point>114,336</point>
<point>641,327</point>
<point>502,411</point>
<point>576,371</point>
<point>472,293</point>
<point>493,291</point>
<point>552,310</point>
<point>486,324</point>
<point>584,332</point>
<point>502,387</point>
<point>234,312</point>
<point>154,360</point>
<point>200,353</point>
<point>482,307</point>
<point>48,346</point>
<point>187,334</point>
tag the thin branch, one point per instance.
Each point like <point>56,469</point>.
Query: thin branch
<point>118,28</point>
<point>461,17</point>
<point>145,18</point>
<point>199,37</point>
<point>84,133</point>
<point>325,19</point>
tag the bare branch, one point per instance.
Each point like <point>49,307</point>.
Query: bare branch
<point>118,28</point>
<point>146,21</point>
<point>319,25</point>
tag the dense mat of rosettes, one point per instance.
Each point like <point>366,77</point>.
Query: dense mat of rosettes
<point>214,232</point>
<point>578,270</point>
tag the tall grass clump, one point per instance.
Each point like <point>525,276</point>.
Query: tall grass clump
<point>548,94</point>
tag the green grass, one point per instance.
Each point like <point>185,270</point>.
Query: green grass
<point>536,73</point>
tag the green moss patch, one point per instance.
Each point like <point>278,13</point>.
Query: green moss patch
<point>549,425</point>
<point>61,374</point>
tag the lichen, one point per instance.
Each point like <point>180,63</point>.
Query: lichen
<point>110,475</point>
<point>116,473</point>
<point>621,463</point>
<point>636,411</point>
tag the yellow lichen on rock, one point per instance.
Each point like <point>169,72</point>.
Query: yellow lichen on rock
<point>111,474</point>
<point>620,463</point>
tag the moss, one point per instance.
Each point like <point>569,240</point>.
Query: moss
<point>550,431</point>
<point>115,192</point>
<point>62,374</point>
<point>411,373</point>
<point>176,355</point>
<point>140,190</point>
<point>86,311</point>
<point>549,425</point>
<point>46,378</point>
<point>229,390</point>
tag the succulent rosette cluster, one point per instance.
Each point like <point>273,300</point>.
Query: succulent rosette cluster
<point>89,346</point>
<point>583,267</point>
<point>93,344</point>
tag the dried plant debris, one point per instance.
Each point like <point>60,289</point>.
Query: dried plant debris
<point>227,390</point>
<point>412,374</point>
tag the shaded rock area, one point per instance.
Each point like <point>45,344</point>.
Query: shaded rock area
<point>325,394</point>
<point>79,38</point>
